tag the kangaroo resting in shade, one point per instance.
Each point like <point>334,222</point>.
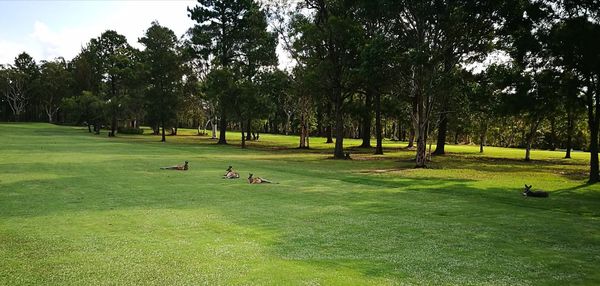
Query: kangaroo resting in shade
<point>257,180</point>
<point>178,167</point>
<point>529,193</point>
<point>231,174</point>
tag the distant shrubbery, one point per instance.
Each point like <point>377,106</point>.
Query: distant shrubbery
<point>130,130</point>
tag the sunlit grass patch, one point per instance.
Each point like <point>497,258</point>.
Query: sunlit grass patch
<point>76,208</point>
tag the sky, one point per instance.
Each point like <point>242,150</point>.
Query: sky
<point>50,29</point>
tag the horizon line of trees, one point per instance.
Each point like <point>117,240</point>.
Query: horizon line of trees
<point>369,69</point>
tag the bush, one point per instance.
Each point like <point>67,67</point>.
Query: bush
<point>129,130</point>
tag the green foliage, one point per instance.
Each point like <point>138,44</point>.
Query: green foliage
<point>131,130</point>
<point>87,107</point>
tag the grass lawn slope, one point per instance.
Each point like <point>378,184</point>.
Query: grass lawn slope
<point>90,210</point>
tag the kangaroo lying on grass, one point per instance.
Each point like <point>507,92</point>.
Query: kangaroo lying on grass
<point>178,167</point>
<point>529,193</point>
<point>257,180</point>
<point>231,174</point>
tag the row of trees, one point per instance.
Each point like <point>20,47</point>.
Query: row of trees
<point>418,71</point>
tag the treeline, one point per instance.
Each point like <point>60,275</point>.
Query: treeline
<point>515,73</point>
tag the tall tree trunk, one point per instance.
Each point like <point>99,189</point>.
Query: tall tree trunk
<point>530,137</point>
<point>442,130</point>
<point>414,127</point>
<point>162,122</point>
<point>594,166</point>
<point>302,134</point>
<point>339,127</point>
<point>222,128</point>
<point>113,126</point>
<point>552,134</point>
<point>421,151</point>
<point>89,127</point>
<point>328,127</point>
<point>378,129</point>
<point>366,121</point>
<point>249,127</point>
<point>243,134</point>
<point>483,135</point>
<point>411,138</point>
<point>570,125</point>
<point>213,126</point>
<point>49,116</point>
<point>593,123</point>
<point>421,118</point>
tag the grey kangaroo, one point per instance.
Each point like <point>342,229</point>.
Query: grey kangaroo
<point>257,180</point>
<point>529,193</point>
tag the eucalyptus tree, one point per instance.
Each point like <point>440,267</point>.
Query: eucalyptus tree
<point>163,73</point>
<point>20,83</point>
<point>55,84</point>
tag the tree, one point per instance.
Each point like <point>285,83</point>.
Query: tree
<point>20,83</point>
<point>258,56</point>
<point>164,74</point>
<point>575,42</point>
<point>379,60</point>
<point>329,44</point>
<point>87,108</point>
<point>55,83</point>
<point>13,90</point>
<point>218,35</point>
<point>112,58</point>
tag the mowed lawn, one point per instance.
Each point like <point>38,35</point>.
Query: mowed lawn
<point>79,209</point>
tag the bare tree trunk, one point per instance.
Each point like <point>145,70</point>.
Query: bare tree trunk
<point>593,123</point>
<point>113,126</point>
<point>243,135</point>
<point>421,118</point>
<point>530,137</point>
<point>339,131</point>
<point>328,129</point>
<point>570,126</point>
<point>329,133</point>
<point>214,127</point>
<point>366,121</point>
<point>378,128</point>
<point>442,130</point>
<point>552,134</point>
<point>288,122</point>
<point>223,128</point>
<point>248,132</point>
<point>483,136</point>
<point>411,138</point>
<point>162,122</point>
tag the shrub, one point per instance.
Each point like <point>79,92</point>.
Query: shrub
<point>130,130</point>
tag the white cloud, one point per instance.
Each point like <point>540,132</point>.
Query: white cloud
<point>9,50</point>
<point>130,18</point>
<point>46,39</point>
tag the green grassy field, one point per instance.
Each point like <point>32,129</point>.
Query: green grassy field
<point>90,210</point>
